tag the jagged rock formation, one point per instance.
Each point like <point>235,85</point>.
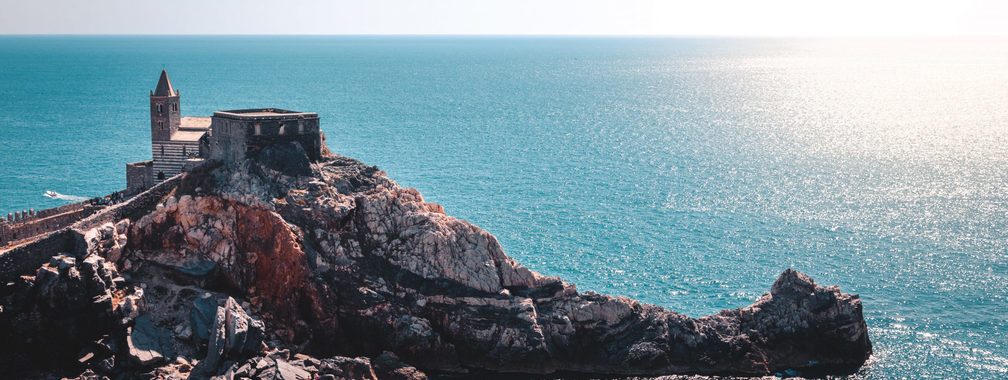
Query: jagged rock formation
<point>289,269</point>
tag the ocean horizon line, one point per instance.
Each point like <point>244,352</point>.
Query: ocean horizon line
<point>534,35</point>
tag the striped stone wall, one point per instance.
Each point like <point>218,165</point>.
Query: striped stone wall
<point>170,157</point>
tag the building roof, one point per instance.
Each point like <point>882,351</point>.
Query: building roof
<point>265,114</point>
<point>191,129</point>
<point>195,122</point>
<point>187,136</point>
<point>164,86</point>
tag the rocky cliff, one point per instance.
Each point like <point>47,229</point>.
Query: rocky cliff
<point>282,268</point>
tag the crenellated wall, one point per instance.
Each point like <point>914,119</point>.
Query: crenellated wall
<point>28,224</point>
<point>68,237</point>
<point>22,226</point>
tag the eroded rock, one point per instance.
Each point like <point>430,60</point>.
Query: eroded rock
<point>68,305</point>
<point>148,344</point>
<point>233,335</point>
<point>277,365</point>
<point>340,262</point>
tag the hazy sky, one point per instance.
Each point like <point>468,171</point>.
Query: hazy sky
<point>696,17</point>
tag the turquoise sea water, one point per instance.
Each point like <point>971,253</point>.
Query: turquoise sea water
<point>684,172</point>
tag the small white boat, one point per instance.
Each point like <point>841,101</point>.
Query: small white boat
<point>64,197</point>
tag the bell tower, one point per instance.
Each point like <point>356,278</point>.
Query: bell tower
<point>166,116</point>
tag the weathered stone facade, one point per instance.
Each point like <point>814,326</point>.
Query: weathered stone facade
<point>139,176</point>
<point>170,156</point>
<point>234,134</point>
<point>165,114</point>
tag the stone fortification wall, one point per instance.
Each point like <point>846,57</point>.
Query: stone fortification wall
<point>32,214</point>
<point>28,224</point>
<point>236,134</point>
<point>227,140</point>
<point>139,176</point>
<point>27,258</point>
<point>305,132</point>
<point>131,206</point>
<point>10,233</point>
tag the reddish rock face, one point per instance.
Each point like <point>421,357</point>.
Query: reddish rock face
<point>251,248</point>
<point>280,276</point>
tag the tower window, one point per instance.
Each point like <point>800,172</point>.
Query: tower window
<point>258,129</point>
<point>162,150</point>
<point>159,108</point>
<point>160,175</point>
<point>160,124</point>
<point>281,131</point>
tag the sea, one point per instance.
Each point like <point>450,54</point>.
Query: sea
<point>684,172</point>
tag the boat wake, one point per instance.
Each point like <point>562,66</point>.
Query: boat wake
<point>64,197</point>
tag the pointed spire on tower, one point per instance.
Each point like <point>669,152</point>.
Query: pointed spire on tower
<point>164,86</point>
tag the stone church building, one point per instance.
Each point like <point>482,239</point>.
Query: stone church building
<point>178,142</point>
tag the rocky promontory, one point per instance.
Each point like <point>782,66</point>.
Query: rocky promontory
<point>282,268</point>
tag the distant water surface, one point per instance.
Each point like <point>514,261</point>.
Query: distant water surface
<point>684,172</point>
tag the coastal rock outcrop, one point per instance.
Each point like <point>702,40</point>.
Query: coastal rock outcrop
<point>332,270</point>
<point>279,365</point>
<point>67,312</point>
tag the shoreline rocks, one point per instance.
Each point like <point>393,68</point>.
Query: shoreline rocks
<point>334,271</point>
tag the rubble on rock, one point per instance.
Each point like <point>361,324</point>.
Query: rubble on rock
<point>65,313</point>
<point>279,365</point>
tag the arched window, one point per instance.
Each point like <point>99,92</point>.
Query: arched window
<point>162,150</point>
<point>160,124</point>
<point>159,108</point>
<point>160,175</point>
<point>281,131</point>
